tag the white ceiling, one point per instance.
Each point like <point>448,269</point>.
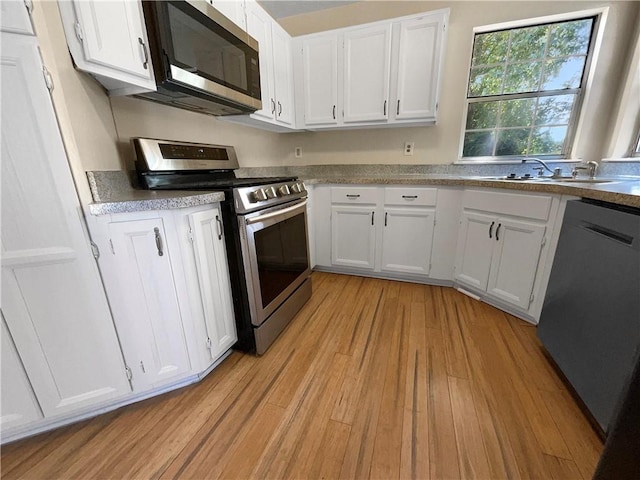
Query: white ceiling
<point>286,8</point>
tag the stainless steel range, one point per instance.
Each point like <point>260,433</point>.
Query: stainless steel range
<point>265,228</point>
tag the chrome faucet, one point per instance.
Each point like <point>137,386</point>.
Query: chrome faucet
<point>591,167</point>
<point>555,173</point>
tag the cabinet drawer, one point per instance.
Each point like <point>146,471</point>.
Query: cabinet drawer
<point>423,197</point>
<point>502,203</point>
<point>354,195</point>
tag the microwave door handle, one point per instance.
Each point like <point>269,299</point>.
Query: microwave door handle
<point>266,216</point>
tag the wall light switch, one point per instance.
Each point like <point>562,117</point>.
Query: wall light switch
<point>408,148</point>
<point>298,152</point>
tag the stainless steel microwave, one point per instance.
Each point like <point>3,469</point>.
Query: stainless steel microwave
<point>202,61</point>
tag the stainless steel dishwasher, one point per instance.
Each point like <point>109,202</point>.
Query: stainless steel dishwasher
<point>590,321</point>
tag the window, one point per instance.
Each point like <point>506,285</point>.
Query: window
<point>525,87</point>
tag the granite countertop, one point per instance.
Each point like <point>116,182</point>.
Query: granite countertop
<point>113,193</point>
<point>622,190</point>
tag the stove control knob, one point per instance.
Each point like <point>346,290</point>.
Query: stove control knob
<point>296,188</point>
<point>258,196</point>
<point>283,191</point>
<point>271,192</point>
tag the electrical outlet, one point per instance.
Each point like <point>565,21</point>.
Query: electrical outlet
<point>408,148</point>
<point>297,152</point>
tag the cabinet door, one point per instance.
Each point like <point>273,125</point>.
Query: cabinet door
<point>515,261</point>
<point>52,298</point>
<point>283,74</point>
<point>367,55</point>
<point>475,246</point>
<point>418,67</point>
<point>353,236</point>
<point>113,40</point>
<point>407,240</point>
<point>15,18</point>
<point>320,66</point>
<point>233,10</point>
<point>144,302</point>
<point>259,27</point>
<point>18,403</point>
<point>213,277</point>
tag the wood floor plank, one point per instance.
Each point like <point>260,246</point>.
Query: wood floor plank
<point>562,469</point>
<point>471,453</point>
<point>373,379</point>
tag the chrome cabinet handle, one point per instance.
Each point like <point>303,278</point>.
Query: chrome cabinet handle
<point>498,232</point>
<point>273,106</point>
<point>158,241</point>
<point>352,196</point>
<point>385,109</point>
<point>219,223</point>
<point>334,112</point>
<point>385,218</point>
<point>145,64</point>
<point>398,108</point>
<point>372,217</point>
<point>491,229</point>
<point>279,109</point>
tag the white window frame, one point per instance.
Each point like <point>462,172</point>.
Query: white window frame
<point>582,99</point>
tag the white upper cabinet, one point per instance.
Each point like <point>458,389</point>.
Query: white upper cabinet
<point>15,18</point>
<point>320,73</point>
<point>52,297</point>
<point>276,73</point>
<point>419,57</point>
<point>234,10</point>
<point>384,73</point>
<point>109,41</point>
<point>367,63</point>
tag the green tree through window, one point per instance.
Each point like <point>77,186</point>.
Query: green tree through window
<point>524,89</point>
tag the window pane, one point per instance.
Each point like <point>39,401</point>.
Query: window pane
<point>548,140</point>
<point>478,144</point>
<point>570,38</point>
<point>563,73</point>
<point>528,43</point>
<point>482,115</point>
<point>486,81</point>
<point>522,77</point>
<point>489,48</point>
<point>517,113</point>
<point>513,141</point>
<point>554,110</point>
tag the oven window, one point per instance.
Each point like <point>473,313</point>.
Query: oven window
<point>282,256</point>
<point>199,49</point>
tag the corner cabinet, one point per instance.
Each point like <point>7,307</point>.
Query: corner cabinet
<point>276,73</point>
<point>380,74</point>
<point>109,41</point>
<point>167,280</point>
<point>500,244</point>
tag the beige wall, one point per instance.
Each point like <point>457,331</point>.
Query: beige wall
<point>439,144</point>
<point>97,128</point>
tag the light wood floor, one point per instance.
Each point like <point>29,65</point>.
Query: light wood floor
<point>373,379</point>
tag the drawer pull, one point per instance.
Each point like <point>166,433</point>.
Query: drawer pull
<point>498,232</point>
<point>372,215</point>
<point>156,231</point>
<point>410,197</point>
<point>352,196</point>
<point>491,229</point>
<point>385,218</point>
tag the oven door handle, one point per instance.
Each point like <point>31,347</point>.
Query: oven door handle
<point>277,213</point>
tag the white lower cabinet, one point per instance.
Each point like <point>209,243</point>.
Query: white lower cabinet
<point>353,236</point>
<point>499,255</point>
<point>166,276</point>
<point>140,285</point>
<point>389,230</point>
<point>407,240</point>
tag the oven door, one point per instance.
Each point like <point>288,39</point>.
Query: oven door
<point>276,256</point>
